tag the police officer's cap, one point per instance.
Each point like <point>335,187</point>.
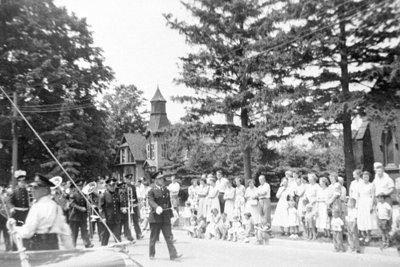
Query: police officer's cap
<point>129,176</point>
<point>20,174</point>
<point>41,181</point>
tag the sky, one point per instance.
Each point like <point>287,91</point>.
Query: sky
<point>137,44</point>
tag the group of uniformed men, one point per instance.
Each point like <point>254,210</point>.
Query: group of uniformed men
<point>41,211</point>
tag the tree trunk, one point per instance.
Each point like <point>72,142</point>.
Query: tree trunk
<point>346,115</point>
<point>246,148</point>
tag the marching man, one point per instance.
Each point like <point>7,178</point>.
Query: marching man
<point>19,198</point>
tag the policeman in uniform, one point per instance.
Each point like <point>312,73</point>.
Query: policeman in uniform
<point>122,190</point>
<point>135,204</point>
<point>110,208</point>
<point>78,216</point>
<point>160,217</point>
<point>45,220</point>
<point>19,198</point>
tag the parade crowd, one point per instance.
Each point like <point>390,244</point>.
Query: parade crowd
<point>309,207</point>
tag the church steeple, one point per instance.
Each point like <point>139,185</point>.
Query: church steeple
<point>158,116</point>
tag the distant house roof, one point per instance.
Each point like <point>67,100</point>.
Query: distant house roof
<point>137,145</point>
<point>158,96</point>
<point>361,131</point>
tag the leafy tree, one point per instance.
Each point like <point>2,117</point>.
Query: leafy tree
<point>341,41</point>
<point>125,106</point>
<point>47,56</point>
<point>227,72</point>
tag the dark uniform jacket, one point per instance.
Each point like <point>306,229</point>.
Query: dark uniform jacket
<point>20,198</point>
<point>110,207</point>
<point>77,202</point>
<point>160,197</point>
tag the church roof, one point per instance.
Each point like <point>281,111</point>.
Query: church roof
<point>137,145</point>
<point>158,96</point>
<point>158,122</point>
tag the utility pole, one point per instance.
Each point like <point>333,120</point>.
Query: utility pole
<point>14,165</point>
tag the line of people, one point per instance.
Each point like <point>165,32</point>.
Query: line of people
<point>307,206</point>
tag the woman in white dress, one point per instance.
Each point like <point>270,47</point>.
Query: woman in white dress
<point>322,221</point>
<point>239,197</point>
<point>251,196</point>
<point>301,195</point>
<point>202,194</point>
<point>281,215</point>
<point>229,198</point>
<point>212,198</point>
<point>365,213</point>
<point>193,198</point>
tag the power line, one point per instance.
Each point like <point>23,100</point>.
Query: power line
<point>58,109</point>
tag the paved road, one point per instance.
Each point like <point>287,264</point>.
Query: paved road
<point>200,252</point>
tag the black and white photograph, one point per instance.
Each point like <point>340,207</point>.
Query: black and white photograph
<point>199,133</point>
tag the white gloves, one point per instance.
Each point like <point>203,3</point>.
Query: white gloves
<point>159,210</point>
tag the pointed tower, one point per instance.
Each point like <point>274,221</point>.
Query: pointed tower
<point>156,143</point>
<point>158,116</point>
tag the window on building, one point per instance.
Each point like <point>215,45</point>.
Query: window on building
<point>152,151</point>
<point>148,151</point>
<point>123,155</point>
<point>130,156</point>
<point>164,151</point>
<point>388,146</point>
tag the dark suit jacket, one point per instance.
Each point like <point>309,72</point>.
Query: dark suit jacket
<point>20,198</point>
<point>158,197</point>
<point>110,207</point>
<point>77,201</point>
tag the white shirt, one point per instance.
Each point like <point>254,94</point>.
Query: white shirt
<point>354,189</point>
<point>351,214</point>
<point>174,188</point>
<point>383,184</point>
<point>141,191</point>
<point>45,216</point>
<point>264,191</point>
<point>221,184</point>
<point>384,211</point>
<point>336,224</point>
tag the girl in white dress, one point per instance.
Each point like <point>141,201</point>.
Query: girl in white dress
<point>365,216</point>
<point>301,194</point>
<point>239,197</point>
<point>251,205</point>
<point>281,213</point>
<point>193,198</point>
<point>202,194</point>
<point>212,198</point>
<point>322,221</point>
<point>229,198</point>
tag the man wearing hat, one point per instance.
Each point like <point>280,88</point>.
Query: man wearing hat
<point>135,216</point>
<point>45,220</point>
<point>19,198</point>
<point>160,217</point>
<point>78,215</point>
<point>122,190</point>
<point>110,208</point>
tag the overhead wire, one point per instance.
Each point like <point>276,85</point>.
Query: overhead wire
<point>59,164</point>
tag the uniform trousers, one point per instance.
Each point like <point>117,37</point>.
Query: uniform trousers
<point>165,228</point>
<point>75,226</point>
<point>125,225</point>
<point>115,228</point>
<point>135,220</point>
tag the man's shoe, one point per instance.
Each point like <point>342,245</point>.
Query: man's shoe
<point>176,257</point>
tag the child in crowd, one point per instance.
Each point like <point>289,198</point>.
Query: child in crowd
<point>302,215</point>
<point>187,214</point>
<point>309,219</point>
<point>223,226</point>
<point>293,220</point>
<point>212,227</point>
<point>235,230</point>
<point>352,229</point>
<point>384,212</point>
<point>248,226</point>
<point>191,229</point>
<point>145,212</point>
<point>201,227</point>
<point>263,232</point>
<point>337,231</point>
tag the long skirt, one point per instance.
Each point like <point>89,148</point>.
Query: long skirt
<point>322,221</point>
<point>229,209</point>
<point>366,220</point>
<point>202,210</point>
